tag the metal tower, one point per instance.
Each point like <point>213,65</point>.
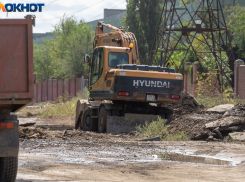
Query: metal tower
<point>199,27</point>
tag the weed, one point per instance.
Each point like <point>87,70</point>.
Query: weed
<point>63,107</point>
<point>159,128</point>
<point>224,98</point>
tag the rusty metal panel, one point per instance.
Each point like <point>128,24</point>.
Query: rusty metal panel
<point>78,85</point>
<point>60,87</point>
<point>72,87</point>
<point>13,59</point>
<point>44,91</point>
<point>16,62</point>
<point>55,89</point>
<point>35,93</point>
<point>39,88</point>
<point>67,86</point>
<point>50,90</point>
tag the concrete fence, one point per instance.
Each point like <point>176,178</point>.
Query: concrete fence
<point>239,80</point>
<point>190,84</point>
<point>51,89</point>
<point>239,76</point>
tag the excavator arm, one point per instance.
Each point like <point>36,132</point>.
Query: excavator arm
<point>118,36</point>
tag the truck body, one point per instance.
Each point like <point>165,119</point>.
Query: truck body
<point>120,89</point>
<point>16,87</point>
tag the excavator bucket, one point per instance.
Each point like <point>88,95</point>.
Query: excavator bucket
<point>81,106</point>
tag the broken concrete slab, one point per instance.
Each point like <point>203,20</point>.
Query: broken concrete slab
<point>27,124</point>
<point>226,122</point>
<point>221,108</point>
<point>238,110</point>
<point>156,138</point>
<point>233,128</point>
<point>116,124</point>
<point>238,136</point>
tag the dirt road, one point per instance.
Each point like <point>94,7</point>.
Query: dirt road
<point>69,155</point>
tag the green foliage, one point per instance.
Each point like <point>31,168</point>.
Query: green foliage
<point>43,60</point>
<point>63,57</point>
<point>187,2</point>
<point>142,17</point>
<point>63,107</point>
<point>235,21</point>
<point>223,98</point>
<point>241,49</point>
<point>159,128</point>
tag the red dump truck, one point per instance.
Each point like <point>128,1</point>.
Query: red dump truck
<point>16,87</point>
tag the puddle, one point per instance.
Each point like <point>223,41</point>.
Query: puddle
<point>193,159</point>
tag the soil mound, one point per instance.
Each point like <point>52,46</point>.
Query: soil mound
<point>188,105</point>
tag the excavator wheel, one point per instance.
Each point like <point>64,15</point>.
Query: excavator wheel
<point>103,119</point>
<point>89,124</point>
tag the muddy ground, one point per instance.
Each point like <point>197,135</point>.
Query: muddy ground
<point>64,154</point>
<point>51,150</point>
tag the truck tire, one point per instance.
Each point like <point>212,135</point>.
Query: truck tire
<point>8,168</point>
<point>103,119</point>
<point>89,124</point>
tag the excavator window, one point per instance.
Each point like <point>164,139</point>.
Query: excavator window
<point>97,65</point>
<point>116,58</point>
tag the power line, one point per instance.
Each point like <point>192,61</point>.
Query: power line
<point>102,13</point>
<point>73,12</point>
<point>49,3</point>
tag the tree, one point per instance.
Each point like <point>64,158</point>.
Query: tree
<point>142,17</point>
<point>63,57</point>
<point>235,21</point>
<point>43,60</point>
<point>74,40</point>
<point>187,2</point>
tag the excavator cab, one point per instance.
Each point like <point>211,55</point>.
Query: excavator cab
<point>117,58</point>
<point>103,60</point>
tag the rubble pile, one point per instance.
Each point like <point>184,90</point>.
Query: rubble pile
<point>209,123</point>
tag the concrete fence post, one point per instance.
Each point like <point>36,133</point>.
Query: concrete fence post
<point>186,76</point>
<point>241,82</point>
<point>195,78</point>
<point>236,75</point>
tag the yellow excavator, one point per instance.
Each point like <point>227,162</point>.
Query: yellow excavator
<point>124,94</point>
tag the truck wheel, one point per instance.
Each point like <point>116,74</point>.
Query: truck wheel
<point>8,168</point>
<point>89,124</point>
<point>103,119</point>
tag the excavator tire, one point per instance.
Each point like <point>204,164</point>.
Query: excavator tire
<point>89,124</point>
<point>8,169</point>
<point>103,119</point>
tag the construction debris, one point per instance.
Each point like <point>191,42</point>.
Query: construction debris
<point>208,124</point>
<point>226,122</point>
<point>238,136</point>
<point>27,124</point>
<point>221,108</point>
<point>156,138</point>
<point>31,132</point>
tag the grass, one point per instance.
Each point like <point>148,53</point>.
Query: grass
<point>225,98</point>
<point>63,108</point>
<point>159,128</point>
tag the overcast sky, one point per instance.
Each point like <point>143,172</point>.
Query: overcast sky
<point>89,10</point>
